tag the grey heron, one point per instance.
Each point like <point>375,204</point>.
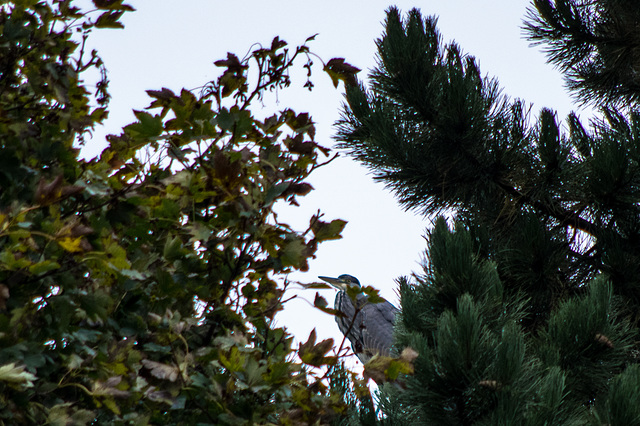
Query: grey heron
<point>369,327</point>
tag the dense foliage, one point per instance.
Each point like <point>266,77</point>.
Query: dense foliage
<point>527,311</point>
<point>140,287</point>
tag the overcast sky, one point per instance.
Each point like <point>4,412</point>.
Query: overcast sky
<point>173,43</point>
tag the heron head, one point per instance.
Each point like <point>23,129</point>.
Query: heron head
<point>342,282</point>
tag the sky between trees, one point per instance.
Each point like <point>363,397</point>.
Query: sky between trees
<point>169,43</point>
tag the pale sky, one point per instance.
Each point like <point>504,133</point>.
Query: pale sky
<point>173,43</point>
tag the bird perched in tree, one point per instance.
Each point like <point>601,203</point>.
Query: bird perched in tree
<point>368,326</point>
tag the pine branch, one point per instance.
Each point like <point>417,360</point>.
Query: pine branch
<point>566,218</point>
<point>596,44</point>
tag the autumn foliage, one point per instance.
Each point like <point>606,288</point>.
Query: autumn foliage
<point>139,287</point>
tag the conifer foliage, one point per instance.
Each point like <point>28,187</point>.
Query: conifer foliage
<point>527,310</point>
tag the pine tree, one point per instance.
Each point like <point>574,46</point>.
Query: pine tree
<point>528,307</point>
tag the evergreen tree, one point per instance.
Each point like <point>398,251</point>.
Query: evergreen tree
<point>528,307</point>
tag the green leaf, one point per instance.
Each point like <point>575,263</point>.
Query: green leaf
<point>162,371</point>
<point>154,347</point>
<point>164,94</point>
<point>338,70</point>
<point>275,192</point>
<point>43,267</point>
<point>294,253</point>
<point>324,231</point>
<point>147,126</point>
<point>109,20</point>
<point>235,120</point>
<point>373,295</point>
<point>198,232</point>
<point>314,354</point>
<point>321,303</point>
<point>64,414</point>
<point>172,248</point>
<point>316,286</point>
<point>112,5</point>
<point>10,373</point>
<point>134,274</point>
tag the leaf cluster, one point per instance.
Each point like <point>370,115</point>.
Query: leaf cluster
<point>140,287</point>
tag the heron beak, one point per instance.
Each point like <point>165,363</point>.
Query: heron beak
<point>336,282</point>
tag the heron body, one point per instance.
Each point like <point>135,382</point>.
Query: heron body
<point>368,326</point>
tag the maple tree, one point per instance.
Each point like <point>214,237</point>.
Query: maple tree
<point>139,287</point>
